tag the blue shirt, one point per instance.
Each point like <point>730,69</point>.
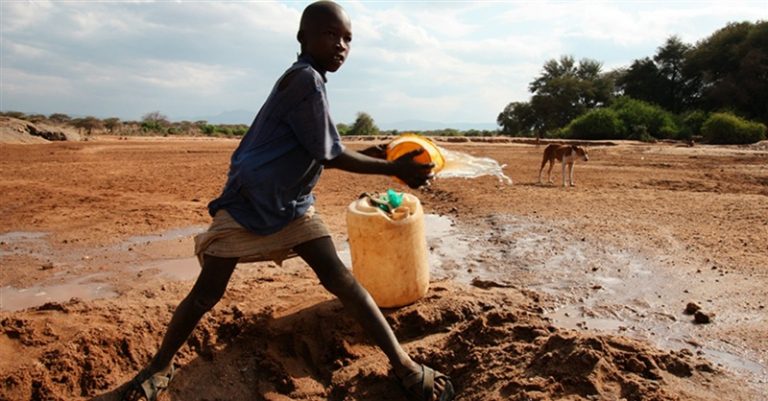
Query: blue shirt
<point>277,163</point>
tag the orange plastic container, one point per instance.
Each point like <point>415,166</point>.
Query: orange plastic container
<point>409,142</point>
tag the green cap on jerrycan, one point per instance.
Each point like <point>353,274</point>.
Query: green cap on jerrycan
<point>390,201</point>
<point>394,199</point>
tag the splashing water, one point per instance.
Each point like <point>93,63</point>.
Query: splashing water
<point>463,165</point>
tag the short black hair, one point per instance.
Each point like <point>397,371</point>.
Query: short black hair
<point>315,12</point>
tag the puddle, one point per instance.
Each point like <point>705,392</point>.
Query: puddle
<point>16,236</point>
<point>175,234</point>
<point>739,363</point>
<point>344,253</point>
<point>85,287</point>
<point>448,249</point>
<point>32,243</point>
<point>600,288</point>
<point>91,287</point>
<point>67,285</point>
<point>182,269</point>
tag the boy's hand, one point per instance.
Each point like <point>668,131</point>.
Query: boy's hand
<point>413,173</point>
<point>378,151</point>
<point>409,171</point>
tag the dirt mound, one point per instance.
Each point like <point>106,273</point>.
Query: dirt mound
<point>491,342</point>
<point>504,351</point>
<point>13,130</point>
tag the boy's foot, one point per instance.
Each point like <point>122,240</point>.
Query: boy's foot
<point>148,386</point>
<point>427,384</point>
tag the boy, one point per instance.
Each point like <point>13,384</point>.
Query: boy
<point>265,210</point>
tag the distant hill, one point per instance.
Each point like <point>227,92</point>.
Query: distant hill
<point>228,117</point>
<point>421,125</point>
<point>246,117</point>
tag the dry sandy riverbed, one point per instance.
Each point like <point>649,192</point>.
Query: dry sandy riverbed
<point>538,292</point>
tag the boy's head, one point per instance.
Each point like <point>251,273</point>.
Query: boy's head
<point>325,33</point>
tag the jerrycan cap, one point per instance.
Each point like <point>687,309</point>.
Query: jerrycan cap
<point>394,199</point>
<point>387,202</point>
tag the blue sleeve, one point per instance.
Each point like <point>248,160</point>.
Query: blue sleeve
<point>312,124</point>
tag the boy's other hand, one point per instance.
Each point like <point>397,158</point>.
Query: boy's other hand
<point>376,151</point>
<point>413,173</point>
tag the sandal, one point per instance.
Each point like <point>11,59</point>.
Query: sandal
<point>420,386</point>
<point>148,387</point>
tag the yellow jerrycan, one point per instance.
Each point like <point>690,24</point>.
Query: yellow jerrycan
<point>389,249</point>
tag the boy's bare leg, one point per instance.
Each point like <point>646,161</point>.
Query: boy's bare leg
<point>205,294</point>
<point>320,254</point>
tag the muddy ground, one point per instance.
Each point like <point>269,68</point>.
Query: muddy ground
<point>538,292</point>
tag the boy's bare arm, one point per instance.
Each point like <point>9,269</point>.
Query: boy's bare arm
<point>413,173</point>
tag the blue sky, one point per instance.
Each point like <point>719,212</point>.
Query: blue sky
<point>447,62</point>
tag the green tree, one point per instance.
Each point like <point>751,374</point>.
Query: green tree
<point>154,121</point>
<point>518,118</point>
<point>208,129</point>
<point>640,81</point>
<point>59,118</point>
<point>661,80</point>
<point>36,118</point>
<point>14,114</point>
<point>364,125</point>
<point>343,128</point>
<point>565,90</point>
<point>112,124</point>
<point>732,65</point>
<point>676,89</point>
<point>88,124</point>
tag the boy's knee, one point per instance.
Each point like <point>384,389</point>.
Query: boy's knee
<point>341,284</point>
<point>203,302</point>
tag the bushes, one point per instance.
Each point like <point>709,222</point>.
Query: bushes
<point>343,129</point>
<point>224,130</point>
<point>626,118</point>
<point>641,117</point>
<point>152,125</point>
<point>691,124</point>
<point>728,128</point>
<point>596,124</point>
<point>633,119</point>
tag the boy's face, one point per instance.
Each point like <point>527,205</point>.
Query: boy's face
<point>328,39</point>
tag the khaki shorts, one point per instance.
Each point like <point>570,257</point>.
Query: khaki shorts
<point>226,238</point>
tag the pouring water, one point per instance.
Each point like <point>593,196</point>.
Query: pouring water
<point>463,165</point>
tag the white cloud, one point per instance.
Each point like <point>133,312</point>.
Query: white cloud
<point>504,49</point>
<point>272,17</point>
<point>462,61</point>
<point>17,82</point>
<point>22,50</point>
<point>202,79</point>
<point>632,23</point>
<point>17,15</point>
<point>94,23</point>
